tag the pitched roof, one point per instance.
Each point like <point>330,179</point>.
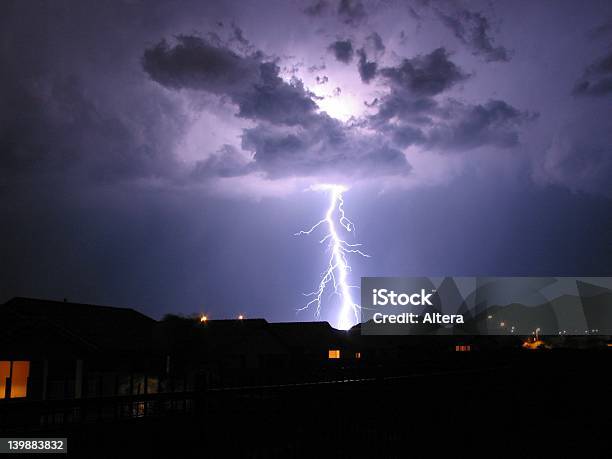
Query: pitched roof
<point>95,327</point>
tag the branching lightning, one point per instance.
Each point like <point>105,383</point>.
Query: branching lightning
<point>336,274</point>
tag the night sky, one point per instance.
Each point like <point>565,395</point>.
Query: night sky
<point>159,155</point>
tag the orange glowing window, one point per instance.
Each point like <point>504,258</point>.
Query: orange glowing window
<point>17,374</point>
<point>357,355</point>
<point>19,379</point>
<point>465,348</point>
<point>333,354</point>
<point>5,373</point>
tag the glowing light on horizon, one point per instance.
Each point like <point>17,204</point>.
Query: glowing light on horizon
<point>336,274</point>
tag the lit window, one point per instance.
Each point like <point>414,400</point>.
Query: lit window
<point>464,348</point>
<point>17,373</point>
<point>357,355</point>
<point>5,373</point>
<point>334,354</point>
<point>19,379</point>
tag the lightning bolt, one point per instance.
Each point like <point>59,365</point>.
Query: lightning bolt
<point>336,274</point>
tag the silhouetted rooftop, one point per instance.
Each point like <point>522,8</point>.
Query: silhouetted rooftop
<point>96,327</point>
<point>311,335</point>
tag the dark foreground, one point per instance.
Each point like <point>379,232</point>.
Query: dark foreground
<point>525,404</point>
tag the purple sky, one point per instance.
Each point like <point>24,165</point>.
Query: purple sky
<point>157,154</point>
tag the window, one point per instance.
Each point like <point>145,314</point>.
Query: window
<point>5,373</point>
<point>357,355</point>
<point>19,379</point>
<point>463,348</point>
<point>17,374</point>
<point>333,354</point>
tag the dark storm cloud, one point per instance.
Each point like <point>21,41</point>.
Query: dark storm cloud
<point>405,135</point>
<point>412,114</point>
<point>455,127</point>
<point>424,75</point>
<point>376,41</point>
<point>300,141</point>
<point>53,126</point>
<point>227,162</point>
<point>597,79</point>
<point>412,84</point>
<point>326,148</point>
<point>60,117</point>
<point>473,29</point>
<point>343,50</point>
<point>194,63</point>
<point>494,123</point>
<point>276,101</point>
<point>367,69</point>
<point>351,12</point>
<point>375,47</point>
<point>291,138</point>
<point>402,105</point>
<point>251,83</point>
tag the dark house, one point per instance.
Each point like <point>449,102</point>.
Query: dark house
<point>56,350</point>
<point>252,351</point>
<point>52,350</point>
<point>313,342</point>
